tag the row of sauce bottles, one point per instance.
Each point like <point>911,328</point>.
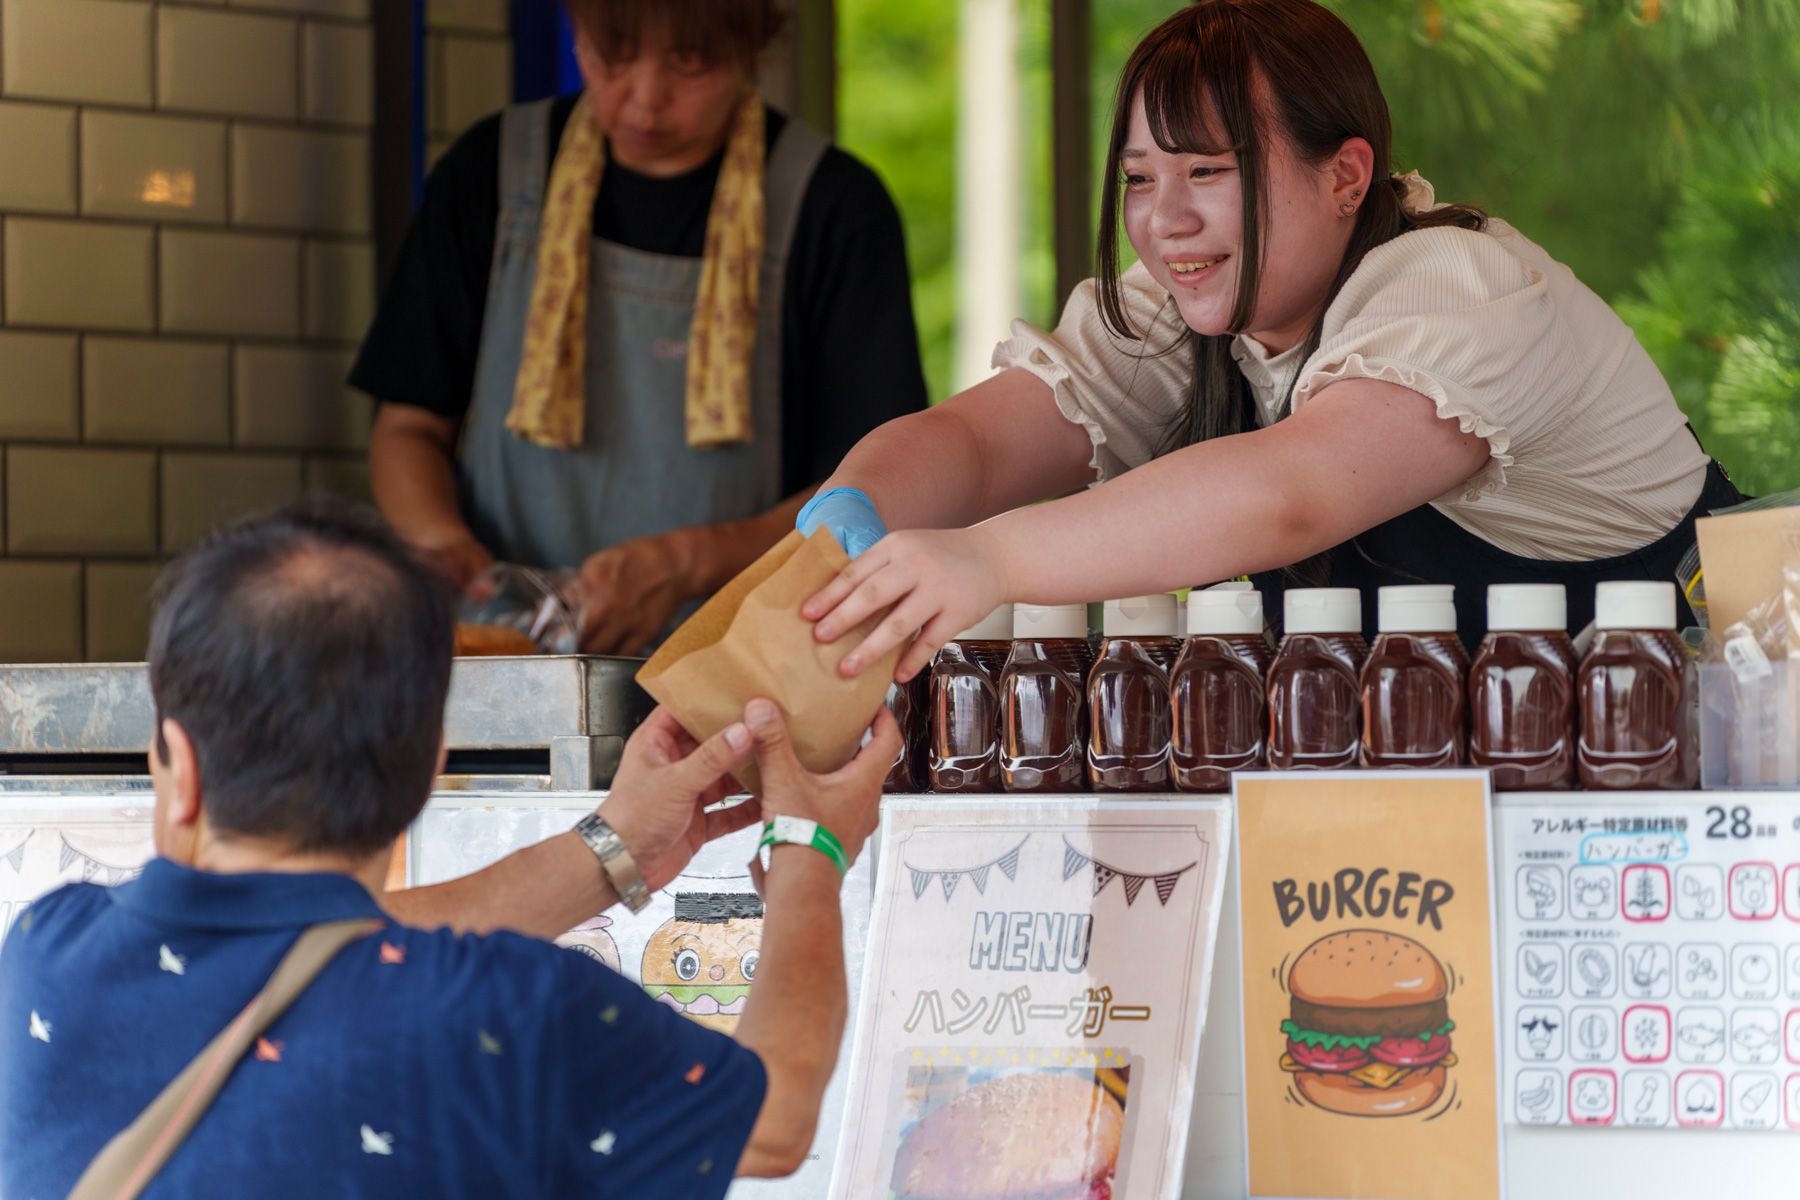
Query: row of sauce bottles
<point>1023,702</point>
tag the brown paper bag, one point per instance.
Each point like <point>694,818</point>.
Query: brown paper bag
<point>750,640</point>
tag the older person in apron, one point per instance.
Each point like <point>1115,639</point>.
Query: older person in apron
<point>630,330</point>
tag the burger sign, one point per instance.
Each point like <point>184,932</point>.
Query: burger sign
<point>1368,1028</point>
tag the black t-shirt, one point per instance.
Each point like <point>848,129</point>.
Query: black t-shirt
<point>849,348</point>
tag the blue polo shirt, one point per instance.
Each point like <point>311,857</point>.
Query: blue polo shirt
<point>417,1064</point>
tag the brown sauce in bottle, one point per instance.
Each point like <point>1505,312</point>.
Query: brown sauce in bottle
<point>1414,701</point>
<point>1522,710</point>
<point>1043,708</point>
<point>1315,720</point>
<point>1220,710</point>
<point>964,754</point>
<point>908,701</point>
<point>1636,692</point>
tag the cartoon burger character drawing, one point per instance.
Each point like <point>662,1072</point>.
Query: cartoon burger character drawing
<point>1368,1032</point>
<point>702,961</point>
<point>590,938</point>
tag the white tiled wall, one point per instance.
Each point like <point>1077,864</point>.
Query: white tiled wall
<point>186,268</point>
<point>468,70</point>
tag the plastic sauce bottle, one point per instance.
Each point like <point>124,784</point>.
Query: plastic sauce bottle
<point>1128,696</point>
<point>1415,683</point>
<point>964,755</point>
<point>1043,700</point>
<point>1636,693</point>
<point>1218,705</point>
<point>907,701</point>
<point>1522,690</point>
<point>1314,717</point>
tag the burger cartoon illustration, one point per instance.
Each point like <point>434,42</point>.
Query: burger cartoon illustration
<point>1368,1032</point>
<point>590,938</point>
<point>702,961</point>
<point>1035,1136</point>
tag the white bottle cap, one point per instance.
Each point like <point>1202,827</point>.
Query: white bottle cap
<point>1417,608</point>
<point>1634,605</point>
<point>1216,611</point>
<point>1322,610</point>
<point>1049,621</point>
<point>1527,608</point>
<point>1140,616</point>
<point>997,626</point>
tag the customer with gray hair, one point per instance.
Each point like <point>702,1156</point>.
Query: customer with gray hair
<point>252,1016</point>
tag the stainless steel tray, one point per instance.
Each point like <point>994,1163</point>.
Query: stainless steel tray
<point>578,707</point>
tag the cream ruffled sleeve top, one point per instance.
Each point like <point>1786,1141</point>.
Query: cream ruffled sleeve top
<point>1589,456</point>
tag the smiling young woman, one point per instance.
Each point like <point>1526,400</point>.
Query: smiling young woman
<point>1313,374</point>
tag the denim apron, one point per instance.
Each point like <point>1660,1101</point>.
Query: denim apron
<point>634,474</point>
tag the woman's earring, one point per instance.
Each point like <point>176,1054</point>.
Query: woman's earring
<point>1346,209</point>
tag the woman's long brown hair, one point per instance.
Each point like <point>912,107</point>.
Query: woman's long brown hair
<point>1210,60</point>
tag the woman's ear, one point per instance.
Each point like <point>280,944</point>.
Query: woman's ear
<point>1351,169</point>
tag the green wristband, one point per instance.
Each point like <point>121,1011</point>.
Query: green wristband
<point>798,831</point>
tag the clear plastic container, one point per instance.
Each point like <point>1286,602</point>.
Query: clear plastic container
<point>1315,718</point>
<point>1637,692</point>
<point>1128,696</point>
<point>1522,690</point>
<point>1219,707</point>
<point>1414,685</point>
<point>1043,694</point>
<point>964,754</point>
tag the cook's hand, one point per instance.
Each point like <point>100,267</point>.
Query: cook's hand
<point>631,590</point>
<point>847,801</point>
<point>940,581</point>
<point>459,559</point>
<point>661,791</point>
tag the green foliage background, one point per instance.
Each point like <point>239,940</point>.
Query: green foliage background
<point>1652,145</point>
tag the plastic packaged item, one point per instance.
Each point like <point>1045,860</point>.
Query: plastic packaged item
<point>1315,718</point>
<point>542,606</point>
<point>1414,685</point>
<point>1043,694</point>
<point>1128,696</point>
<point>964,751</point>
<point>1522,690</point>
<point>1750,687</point>
<point>1637,694</point>
<point>910,704</point>
<point>1219,707</point>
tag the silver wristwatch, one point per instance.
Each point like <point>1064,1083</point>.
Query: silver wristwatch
<point>615,860</point>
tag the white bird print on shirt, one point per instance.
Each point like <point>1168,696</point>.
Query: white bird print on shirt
<point>40,1028</point>
<point>170,961</point>
<point>604,1143</point>
<point>376,1143</point>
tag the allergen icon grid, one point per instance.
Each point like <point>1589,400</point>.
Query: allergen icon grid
<point>1652,963</point>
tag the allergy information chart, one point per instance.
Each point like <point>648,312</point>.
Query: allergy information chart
<point>1653,961</point>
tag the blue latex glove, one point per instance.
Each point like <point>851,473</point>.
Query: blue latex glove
<point>848,513</point>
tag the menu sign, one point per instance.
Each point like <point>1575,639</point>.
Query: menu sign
<point>46,842</point>
<point>1369,985</point>
<point>1654,955</point>
<point>1036,981</point>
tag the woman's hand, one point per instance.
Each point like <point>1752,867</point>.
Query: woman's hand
<point>630,591</point>
<point>940,582</point>
<point>460,559</point>
<point>663,787</point>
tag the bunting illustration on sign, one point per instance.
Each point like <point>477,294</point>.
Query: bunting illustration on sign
<point>1008,864</point>
<point>14,840</point>
<point>1074,860</point>
<point>92,867</point>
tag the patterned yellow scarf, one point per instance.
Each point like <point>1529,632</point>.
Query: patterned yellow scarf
<point>550,394</point>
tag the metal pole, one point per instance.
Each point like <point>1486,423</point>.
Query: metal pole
<point>1070,131</point>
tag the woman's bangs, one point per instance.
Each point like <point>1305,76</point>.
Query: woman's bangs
<point>1181,84</point>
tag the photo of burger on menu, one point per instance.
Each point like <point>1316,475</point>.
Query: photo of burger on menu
<point>1368,1031</point>
<point>979,1127</point>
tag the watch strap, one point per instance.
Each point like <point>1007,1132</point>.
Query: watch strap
<point>621,869</point>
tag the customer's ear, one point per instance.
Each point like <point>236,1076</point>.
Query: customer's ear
<point>175,769</point>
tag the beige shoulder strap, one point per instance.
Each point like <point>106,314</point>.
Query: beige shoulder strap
<point>127,1163</point>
